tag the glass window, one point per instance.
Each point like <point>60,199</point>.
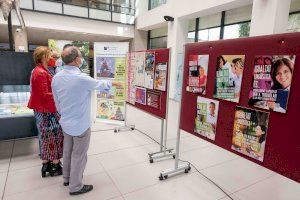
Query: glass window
<point>156,3</point>
<point>157,43</point>
<point>124,3</point>
<point>192,25</point>
<point>100,4</point>
<point>210,21</point>
<point>191,37</point>
<point>237,15</point>
<point>294,23</point>
<point>159,32</point>
<point>209,34</point>
<point>295,6</point>
<point>77,2</point>
<point>237,30</point>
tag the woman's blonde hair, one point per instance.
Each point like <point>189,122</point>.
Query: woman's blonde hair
<point>40,53</point>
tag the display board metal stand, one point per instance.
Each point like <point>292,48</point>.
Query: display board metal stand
<point>177,168</point>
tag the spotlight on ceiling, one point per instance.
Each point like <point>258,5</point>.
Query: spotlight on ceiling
<point>169,18</point>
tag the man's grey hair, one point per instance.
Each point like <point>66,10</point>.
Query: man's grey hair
<point>70,54</point>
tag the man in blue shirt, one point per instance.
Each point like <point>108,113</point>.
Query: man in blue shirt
<point>72,91</point>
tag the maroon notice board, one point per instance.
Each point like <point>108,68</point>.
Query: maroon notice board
<point>161,56</point>
<point>283,137</point>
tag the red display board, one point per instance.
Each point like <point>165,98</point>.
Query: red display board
<point>161,56</point>
<point>283,139</point>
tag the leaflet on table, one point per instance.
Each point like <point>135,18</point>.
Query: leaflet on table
<point>272,78</point>
<point>139,69</point>
<point>130,78</point>
<point>84,48</point>
<point>115,92</point>
<point>149,69</point>
<point>154,99</point>
<point>112,110</point>
<point>198,68</point>
<point>140,95</point>
<point>229,77</point>
<point>207,117</point>
<point>161,76</point>
<point>250,132</point>
<point>110,67</point>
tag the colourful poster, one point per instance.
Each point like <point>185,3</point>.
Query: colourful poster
<point>58,46</point>
<point>130,78</point>
<point>250,132</point>
<point>207,117</point>
<point>105,67</point>
<point>111,110</point>
<point>154,99</point>
<point>115,92</point>
<point>140,69</point>
<point>198,68</point>
<point>272,78</point>
<point>229,77</point>
<point>149,69</point>
<point>140,95</point>
<point>161,76</point>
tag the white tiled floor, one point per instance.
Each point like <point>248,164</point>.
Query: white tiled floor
<point>119,169</point>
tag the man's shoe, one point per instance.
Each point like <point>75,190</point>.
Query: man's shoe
<point>66,184</point>
<point>85,189</point>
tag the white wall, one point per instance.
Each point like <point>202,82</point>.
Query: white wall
<point>64,23</point>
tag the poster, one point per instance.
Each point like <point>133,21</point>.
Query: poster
<point>105,67</point>
<point>110,65</point>
<point>250,132</point>
<point>154,99</point>
<point>130,78</point>
<point>140,95</point>
<point>149,69</point>
<point>272,78</point>
<point>198,68</point>
<point>139,69</point>
<point>84,48</point>
<point>229,77</point>
<point>207,117</point>
<point>179,77</point>
<point>111,110</point>
<point>161,76</point>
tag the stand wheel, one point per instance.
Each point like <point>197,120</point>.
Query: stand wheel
<point>174,156</point>
<point>187,170</point>
<point>170,151</point>
<point>161,177</point>
<point>115,130</point>
<point>166,176</point>
<point>151,160</point>
<point>132,129</point>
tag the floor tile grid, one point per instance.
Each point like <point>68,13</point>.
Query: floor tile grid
<point>11,154</point>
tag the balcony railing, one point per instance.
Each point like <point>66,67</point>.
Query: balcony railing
<point>156,3</point>
<point>91,9</point>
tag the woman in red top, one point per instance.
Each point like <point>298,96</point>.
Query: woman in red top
<point>42,102</point>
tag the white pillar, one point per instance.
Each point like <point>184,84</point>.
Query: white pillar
<point>177,38</point>
<point>269,17</point>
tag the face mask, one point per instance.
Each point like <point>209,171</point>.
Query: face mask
<point>51,62</point>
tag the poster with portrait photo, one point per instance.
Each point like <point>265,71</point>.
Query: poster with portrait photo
<point>229,76</point>
<point>207,117</point>
<point>271,83</point>
<point>140,95</point>
<point>154,99</point>
<point>197,79</point>
<point>161,76</point>
<point>105,67</point>
<point>149,69</point>
<point>250,132</point>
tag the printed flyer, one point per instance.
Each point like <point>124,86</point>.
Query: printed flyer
<point>272,78</point>
<point>207,117</point>
<point>59,45</point>
<point>154,99</point>
<point>149,69</point>
<point>130,78</point>
<point>140,69</point>
<point>229,77</point>
<point>140,95</point>
<point>250,132</point>
<point>120,64</point>
<point>111,110</point>
<point>161,76</point>
<point>198,68</point>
